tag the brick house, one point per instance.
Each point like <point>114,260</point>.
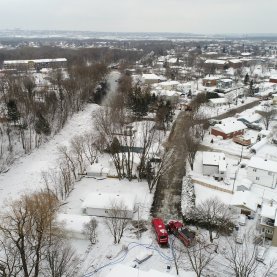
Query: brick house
<point>228,129</point>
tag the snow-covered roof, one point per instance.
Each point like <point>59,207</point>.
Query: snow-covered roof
<point>150,76</point>
<point>235,61</point>
<point>231,126</point>
<point>123,270</point>
<point>217,101</point>
<point>246,199</point>
<point>35,61</point>
<point>268,211</point>
<point>244,182</point>
<point>103,200</point>
<point>215,62</point>
<point>263,164</point>
<point>215,158</point>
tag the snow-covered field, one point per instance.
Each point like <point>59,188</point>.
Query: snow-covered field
<point>25,174</point>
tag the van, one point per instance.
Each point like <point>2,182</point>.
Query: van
<point>242,219</point>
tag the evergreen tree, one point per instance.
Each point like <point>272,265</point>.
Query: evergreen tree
<point>246,79</point>
<point>13,113</point>
<point>251,90</point>
<point>42,126</point>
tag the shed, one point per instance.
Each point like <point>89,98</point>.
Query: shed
<point>246,201</point>
<point>97,171</point>
<point>99,204</point>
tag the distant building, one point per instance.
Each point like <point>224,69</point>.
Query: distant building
<point>36,64</point>
<point>210,81</point>
<point>216,64</point>
<point>235,63</point>
<point>273,79</point>
<point>224,83</point>
<point>149,79</point>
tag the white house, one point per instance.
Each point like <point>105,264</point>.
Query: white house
<point>217,102</point>
<point>262,171</point>
<point>214,164</point>
<point>245,201</point>
<point>150,78</point>
<point>100,204</point>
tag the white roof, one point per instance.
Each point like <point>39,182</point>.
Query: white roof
<point>213,158</point>
<point>235,61</point>
<point>245,182</point>
<point>150,77</point>
<point>103,200</point>
<point>263,164</point>
<point>35,61</point>
<point>268,211</point>
<point>245,198</point>
<point>120,270</point>
<point>218,100</point>
<point>216,61</point>
<point>231,126</point>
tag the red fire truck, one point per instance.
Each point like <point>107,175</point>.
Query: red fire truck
<point>160,230</point>
<point>178,230</point>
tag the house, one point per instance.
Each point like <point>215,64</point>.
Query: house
<point>267,220</point>
<point>273,79</point>
<point>245,202</point>
<point>216,64</point>
<point>210,81</point>
<point>224,83</point>
<point>228,129</point>
<point>262,172</point>
<point>235,63</point>
<point>149,79</point>
<point>214,164</point>
<point>217,102</point>
<point>102,204</point>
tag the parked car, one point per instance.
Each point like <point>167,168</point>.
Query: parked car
<point>260,255</point>
<point>242,219</point>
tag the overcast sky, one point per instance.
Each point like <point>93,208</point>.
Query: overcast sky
<point>196,16</point>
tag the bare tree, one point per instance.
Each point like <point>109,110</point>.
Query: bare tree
<point>241,258</point>
<point>61,260</point>
<point>89,230</point>
<point>213,215</point>
<point>268,116</point>
<point>26,228</point>
<point>198,256</point>
<point>192,145</point>
<point>117,219</point>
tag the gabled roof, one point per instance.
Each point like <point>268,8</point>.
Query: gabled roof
<point>245,199</point>
<point>263,164</point>
<point>228,127</point>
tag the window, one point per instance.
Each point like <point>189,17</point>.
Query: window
<point>262,230</point>
<point>257,178</point>
<point>255,169</point>
<point>269,173</point>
